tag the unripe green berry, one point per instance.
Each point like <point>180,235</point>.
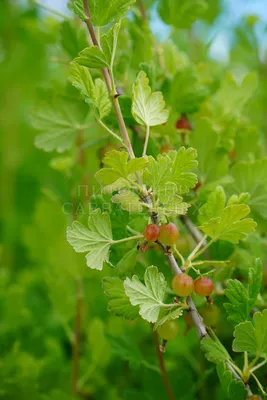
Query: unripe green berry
<point>211,315</point>
<point>182,285</point>
<point>168,330</point>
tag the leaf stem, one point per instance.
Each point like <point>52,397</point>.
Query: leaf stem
<point>245,361</point>
<point>205,263</point>
<point>258,366</point>
<point>101,123</point>
<point>179,255</point>
<point>51,10</point>
<point>146,140</point>
<point>196,234</point>
<point>108,80</point>
<point>142,10</point>
<point>251,365</point>
<point>238,370</point>
<point>259,384</point>
<point>127,239</point>
<point>192,256</point>
<point>201,251</point>
<point>77,338</point>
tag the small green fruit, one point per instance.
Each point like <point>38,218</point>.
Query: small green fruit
<point>168,330</point>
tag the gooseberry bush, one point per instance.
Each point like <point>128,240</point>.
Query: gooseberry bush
<point>172,224</point>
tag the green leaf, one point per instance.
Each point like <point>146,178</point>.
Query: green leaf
<point>238,309</point>
<point>73,37</point>
<point>214,351</point>
<point>212,163</point>
<point>95,240</point>
<point>252,337</point>
<point>183,161</point>
<point>102,100</point>
<point>81,79</point>
<point>182,13</point>
<point>251,177</point>
<point>128,201</point>
<point>243,198</point>
<point>191,92</point>
<point>170,173</point>
<point>148,108</point>
<point>95,93</point>
<point>173,59</point>
<point>119,304</point>
<point>105,11</point>
<point>127,350</point>
<point>233,389</point>
<point>77,7</point>
<point>59,120</point>
<point>127,263</point>
<point>232,97</point>
<point>109,43</point>
<point>231,226</point>
<point>214,206</point>
<point>98,344</point>
<point>92,57</point>
<point>241,299</point>
<point>255,281</point>
<point>172,207</point>
<point>149,295</point>
<point>168,316</point>
<point>118,167</point>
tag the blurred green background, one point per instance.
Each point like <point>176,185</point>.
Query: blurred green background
<point>40,273</point>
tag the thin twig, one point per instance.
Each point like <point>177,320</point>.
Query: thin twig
<point>195,233</point>
<point>108,80</point>
<point>51,10</point>
<point>146,140</point>
<point>162,366</point>
<point>142,10</point>
<point>77,338</point>
<point>109,130</point>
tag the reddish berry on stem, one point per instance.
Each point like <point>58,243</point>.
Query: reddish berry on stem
<point>168,234</point>
<point>151,232</point>
<point>168,330</point>
<point>183,123</point>
<point>203,286</point>
<point>183,285</point>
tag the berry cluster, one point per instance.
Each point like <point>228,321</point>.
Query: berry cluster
<point>167,233</point>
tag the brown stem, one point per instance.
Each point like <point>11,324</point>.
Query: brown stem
<point>142,10</point>
<point>77,338</point>
<point>106,74</point>
<point>197,236</point>
<point>162,366</point>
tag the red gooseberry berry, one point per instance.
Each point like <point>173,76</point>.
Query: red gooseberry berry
<point>151,232</point>
<point>203,286</point>
<point>182,285</point>
<point>169,234</point>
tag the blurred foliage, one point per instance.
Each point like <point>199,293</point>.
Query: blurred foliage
<point>226,105</point>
